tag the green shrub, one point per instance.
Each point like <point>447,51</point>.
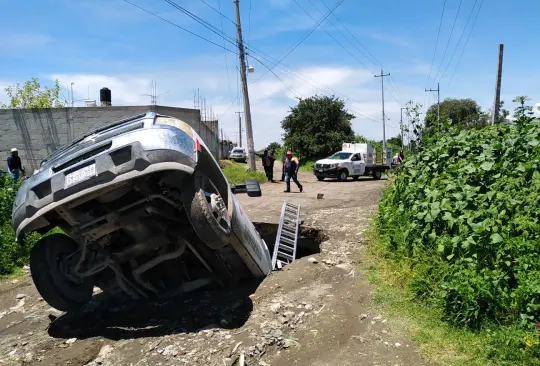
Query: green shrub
<point>464,215</point>
<point>13,255</point>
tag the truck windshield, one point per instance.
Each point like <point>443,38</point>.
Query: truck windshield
<point>340,156</point>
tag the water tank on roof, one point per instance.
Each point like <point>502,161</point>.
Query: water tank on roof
<point>105,97</point>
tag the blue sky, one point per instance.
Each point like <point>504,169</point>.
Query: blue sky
<point>96,43</point>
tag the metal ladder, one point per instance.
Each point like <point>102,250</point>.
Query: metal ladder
<point>287,236</point>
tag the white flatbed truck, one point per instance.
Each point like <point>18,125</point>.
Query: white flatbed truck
<point>353,160</point>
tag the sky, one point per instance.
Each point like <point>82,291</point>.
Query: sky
<point>114,44</point>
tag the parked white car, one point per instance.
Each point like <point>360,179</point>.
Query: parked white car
<point>238,154</point>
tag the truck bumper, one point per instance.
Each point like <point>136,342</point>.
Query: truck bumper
<point>326,173</point>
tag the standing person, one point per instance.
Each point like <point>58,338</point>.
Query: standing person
<point>271,160</point>
<point>14,164</point>
<point>283,159</point>
<point>265,164</point>
<point>291,171</point>
<point>401,156</point>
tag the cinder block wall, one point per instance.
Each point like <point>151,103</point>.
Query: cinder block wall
<point>36,133</point>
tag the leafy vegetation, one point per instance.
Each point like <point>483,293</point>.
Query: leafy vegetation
<point>317,127</point>
<point>31,95</point>
<point>13,255</point>
<point>461,221</point>
<point>238,173</point>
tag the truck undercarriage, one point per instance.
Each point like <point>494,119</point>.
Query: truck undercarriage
<point>134,239</point>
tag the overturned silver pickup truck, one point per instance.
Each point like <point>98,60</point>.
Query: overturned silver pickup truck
<point>146,212</point>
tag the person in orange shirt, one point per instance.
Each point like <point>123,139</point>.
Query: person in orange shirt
<point>292,164</point>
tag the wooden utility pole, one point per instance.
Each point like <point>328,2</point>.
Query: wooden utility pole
<point>240,127</point>
<point>497,102</point>
<point>401,125</point>
<point>438,90</point>
<point>243,77</point>
<point>383,115</point>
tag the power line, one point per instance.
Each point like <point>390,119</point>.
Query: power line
<point>466,42</point>
<point>224,36</point>
<point>218,11</point>
<point>180,27</point>
<point>304,37</point>
<point>449,39</point>
<point>226,58</point>
<point>459,40</point>
<point>436,44</point>
<point>373,58</point>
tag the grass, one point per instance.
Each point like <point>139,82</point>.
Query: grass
<point>307,166</point>
<point>238,173</point>
<point>438,341</point>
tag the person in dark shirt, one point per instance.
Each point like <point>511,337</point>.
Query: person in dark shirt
<point>271,160</point>
<point>14,164</point>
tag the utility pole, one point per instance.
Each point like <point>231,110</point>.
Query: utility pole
<point>72,101</point>
<point>438,104</point>
<point>383,115</point>
<point>498,86</point>
<point>222,134</point>
<point>243,77</point>
<point>240,127</point>
<point>401,125</point>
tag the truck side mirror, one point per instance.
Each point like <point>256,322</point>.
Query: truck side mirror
<point>251,187</point>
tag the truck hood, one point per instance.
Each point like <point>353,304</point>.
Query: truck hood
<point>329,161</point>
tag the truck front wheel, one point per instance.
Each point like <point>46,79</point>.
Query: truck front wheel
<point>342,175</point>
<point>49,261</point>
<point>207,211</point>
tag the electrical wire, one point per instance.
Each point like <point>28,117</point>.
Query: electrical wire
<point>436,44</point>
<point>459,40</point>
<point>373,58</point>
<point>225,53</point>
<point>339,43</point>
<point>466,42</point>
<point>304,37</point>
<point>207,25</point>
<point>219,11</point>
<point>180,27</point>
<point>449,39</point>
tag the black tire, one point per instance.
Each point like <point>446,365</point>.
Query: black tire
<point>52,285</point>
<point>356,177</point>
<point>209,230</point>
<point>320,179</point>
<point>377,174</point>
<point>342,175</point>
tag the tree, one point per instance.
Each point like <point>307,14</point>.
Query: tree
<point>460,112</point>
<point>522,109</point>
<point>413,111</point>
<point>30,95</point>
<point>317,126</point>
<point>394,141</point>
<point>274,146</point>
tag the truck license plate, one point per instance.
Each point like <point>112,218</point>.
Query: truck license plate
<point>320,170</point>
<point>80,175</point>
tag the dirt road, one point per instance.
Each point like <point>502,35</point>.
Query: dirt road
<point>316,311</point>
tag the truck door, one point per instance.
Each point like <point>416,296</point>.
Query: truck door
<point>358,164</point>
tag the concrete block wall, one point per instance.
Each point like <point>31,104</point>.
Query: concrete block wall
<point>36,133</point>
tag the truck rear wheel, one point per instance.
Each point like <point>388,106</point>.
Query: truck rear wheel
<point>320,179</point>
<point>48,269</point>
<point>377,174</point>
<point>342,175</point>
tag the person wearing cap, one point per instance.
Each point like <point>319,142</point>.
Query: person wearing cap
<point>291,171</point>
<point>14,164</point>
